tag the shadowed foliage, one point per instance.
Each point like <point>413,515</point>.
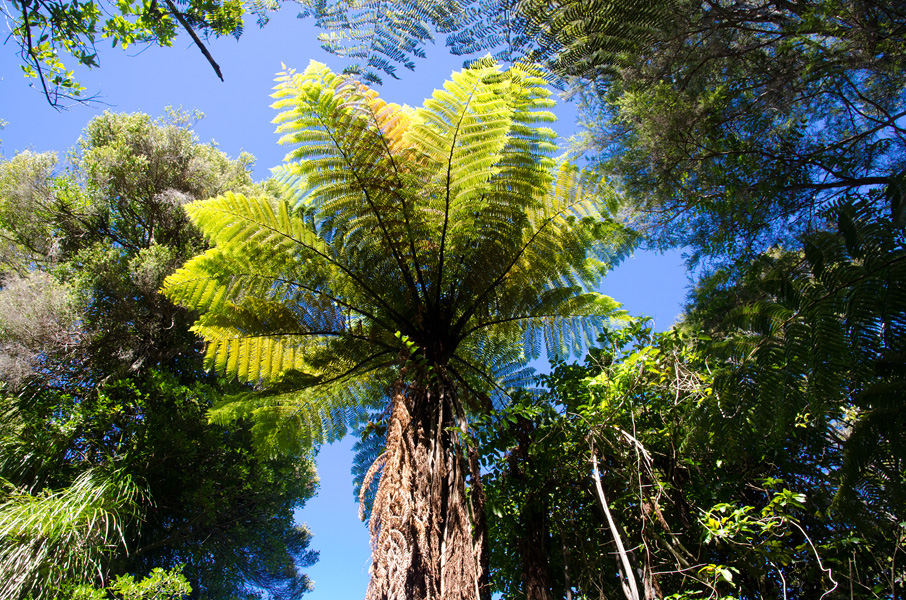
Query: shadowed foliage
<point>108,462</point>
<point>571,39</point>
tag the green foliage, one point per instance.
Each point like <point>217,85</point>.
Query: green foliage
<point>48,32</point>
<point>576,39</point>
<point>158,585</point>
<point>441,227</point>
<point>741,122</point>
<point>103,375</point>
<point>630,401</point>
<point>821,332</point>
<point>707,505</point>
<point>27,189</point>
<point>53,538</point>
<point>810,348</point>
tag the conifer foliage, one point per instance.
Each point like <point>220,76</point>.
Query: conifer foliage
<point>418,260</point>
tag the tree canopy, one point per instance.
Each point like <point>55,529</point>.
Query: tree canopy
<point>103,428</point>
<point>743,122</point>
<point>570,39</point>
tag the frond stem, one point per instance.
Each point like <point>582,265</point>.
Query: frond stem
<point>460,323</point>
<point>519,318</point>
<point>443,235</point>
<point>386,235</point>
<point>396,172</point>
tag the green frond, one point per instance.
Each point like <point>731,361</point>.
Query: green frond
<point>297,413</point>
<point>822,339</point>
<point>384,34</point>
<point>259,228</point>
<point>585,39</point>
<point>251,358</point>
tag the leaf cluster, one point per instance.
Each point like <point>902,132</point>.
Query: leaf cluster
<point>697,520</point>
<point>48,32</point>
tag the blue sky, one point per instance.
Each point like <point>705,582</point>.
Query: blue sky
<point>238,117</point>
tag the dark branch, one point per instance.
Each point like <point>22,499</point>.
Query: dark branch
<point>29,50</point>
<point>182,21</point>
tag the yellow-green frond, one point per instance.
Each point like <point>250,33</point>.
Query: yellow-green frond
<point>290,419</point>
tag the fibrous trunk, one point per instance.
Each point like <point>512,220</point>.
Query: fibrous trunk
<point>421,535</point>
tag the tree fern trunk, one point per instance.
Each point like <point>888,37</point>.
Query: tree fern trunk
<point>420,524</point>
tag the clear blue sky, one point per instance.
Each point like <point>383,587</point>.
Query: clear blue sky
<point>238,117</point>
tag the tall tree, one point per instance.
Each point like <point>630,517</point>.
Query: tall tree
<point>104,383</point>
<point>421,257</point>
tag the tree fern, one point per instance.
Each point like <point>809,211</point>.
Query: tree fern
<point>585,39</point>
<point>428,255</point>
<point>819,358</point>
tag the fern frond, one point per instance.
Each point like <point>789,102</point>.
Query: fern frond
<point>585,39</point>
<point>297,413</point>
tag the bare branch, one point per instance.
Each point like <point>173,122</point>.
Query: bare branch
<point>182,21</point>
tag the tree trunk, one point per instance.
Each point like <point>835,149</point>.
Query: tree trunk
<point>533,541</point>
<point>630,588</point>
<point>421,536</point>
<point>534,547</point>
<point>480,532</point>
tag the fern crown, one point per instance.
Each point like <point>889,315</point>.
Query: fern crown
<point>446,237</point>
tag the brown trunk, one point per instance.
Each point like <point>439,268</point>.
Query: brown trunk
<point>421,535</point>
<point>480,528</point>
<point>534,546</point>
<point>533,540</point>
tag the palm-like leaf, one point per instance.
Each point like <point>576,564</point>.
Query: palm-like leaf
<point>51,538</point>
<point>453,212</point>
